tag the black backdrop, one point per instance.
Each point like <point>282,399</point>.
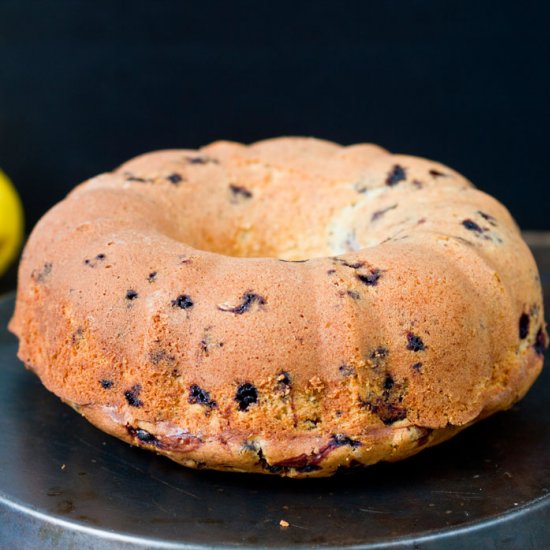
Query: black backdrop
<point>86,84</point>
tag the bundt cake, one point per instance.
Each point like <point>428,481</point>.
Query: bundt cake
<point>289,307</point>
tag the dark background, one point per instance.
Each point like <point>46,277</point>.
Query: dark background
<point>86,85</point>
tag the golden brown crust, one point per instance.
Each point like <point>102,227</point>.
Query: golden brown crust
<point>169,303</point>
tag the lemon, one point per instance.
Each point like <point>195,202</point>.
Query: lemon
<point>11,222</point>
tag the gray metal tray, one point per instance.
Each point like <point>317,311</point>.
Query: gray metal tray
<point>65,484</point>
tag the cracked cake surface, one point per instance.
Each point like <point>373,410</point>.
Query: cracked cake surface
<point>289,307</point>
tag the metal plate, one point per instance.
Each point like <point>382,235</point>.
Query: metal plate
<point>65,484</point>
